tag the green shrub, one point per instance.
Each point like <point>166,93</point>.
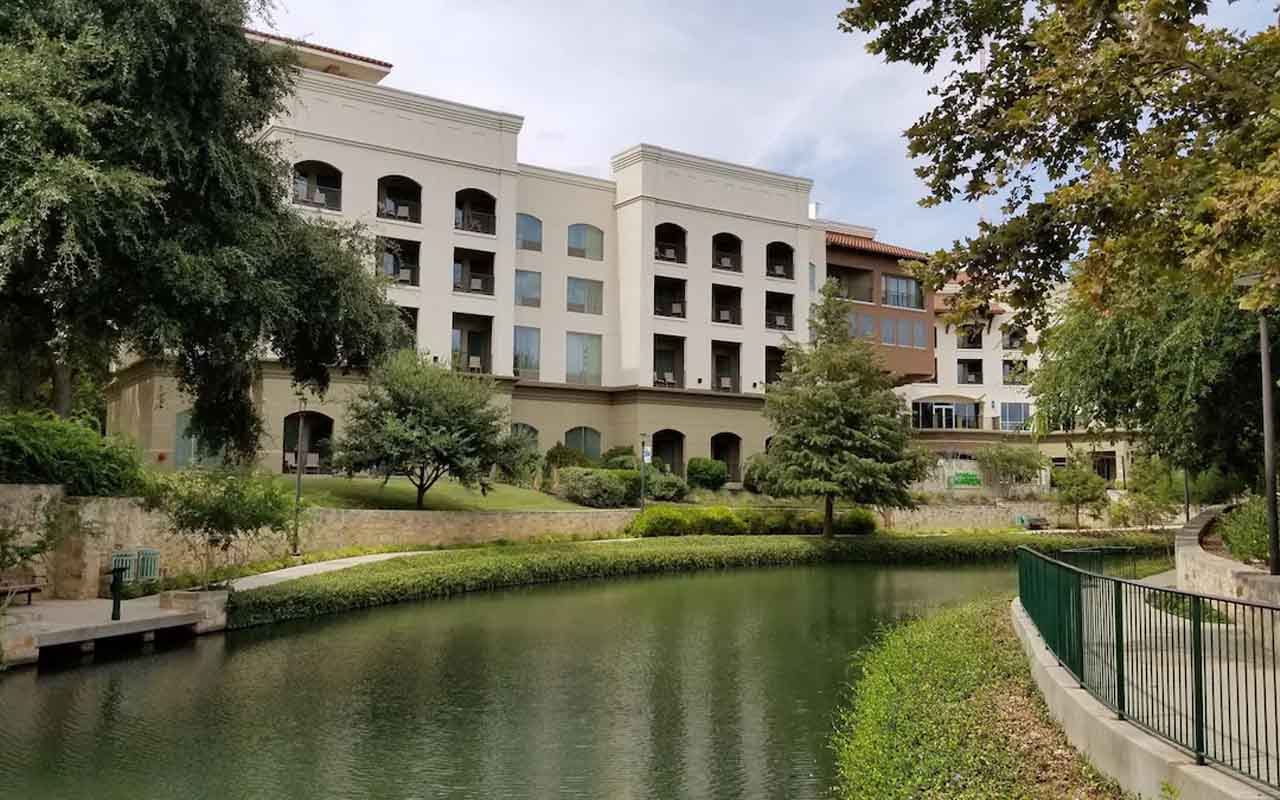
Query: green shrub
<point>856,522</point>
<point>661,521</point>
<point>1213,487</point>
<point>620,458</point>
<point>721,520</point>
<point>755,476</point>
<point>707,473</point>
<point>1244,530</point>
<point>560,456</point>
<point>598,488</point>
<point>41,448</point>
<point>665,486</point>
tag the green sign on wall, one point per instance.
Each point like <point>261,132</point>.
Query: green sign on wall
<point>966,479</point>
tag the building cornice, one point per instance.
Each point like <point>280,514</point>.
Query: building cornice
<point>401,100</point>
<point>661,155</point>
<point>324,137</point>
<point>570,178</point>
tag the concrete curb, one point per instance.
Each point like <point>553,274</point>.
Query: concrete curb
<point>1139,761</point>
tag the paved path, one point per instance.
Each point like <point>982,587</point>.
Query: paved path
<point>318,568</point>
<point>1165,580</point>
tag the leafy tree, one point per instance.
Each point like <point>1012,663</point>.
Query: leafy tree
<point>1182,369</point>
<point>707,473</point>
<point>1128,143</point>
<point>213,510</point>
<point>424,421</point>
<point>839,429</point>
<point>144,211</point>
<point>1009,465</point>
<point>1080,488</point>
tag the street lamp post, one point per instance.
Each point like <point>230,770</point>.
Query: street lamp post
<point>644,462</point>
<point>294,546</point>
<point>1268,430</point>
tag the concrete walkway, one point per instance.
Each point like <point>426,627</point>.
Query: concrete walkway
<point>318,568</point>
<point>1165,580</point>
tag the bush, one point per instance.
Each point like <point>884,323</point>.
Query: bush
<point>560,456</point>
<point>721,520</point>
<point>1244,530</point>
<point>41,448</point>
<point>856,522</point>
<point>620,458</point>
<point>598,488</point>
<point>1213,487</point>
<point>707,473</point>
<point>755,476</point>
<point>665,486</point>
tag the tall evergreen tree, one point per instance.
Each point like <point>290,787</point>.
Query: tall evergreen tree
<point>840,432</point>
<point>142,210</point>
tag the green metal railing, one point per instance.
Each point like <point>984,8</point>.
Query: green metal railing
<point>1197,670</point>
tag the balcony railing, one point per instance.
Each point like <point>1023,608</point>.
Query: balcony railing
<point>319,198</point>
<point>665,307</point>
<point>404,212</point>
<point>466,219</point>
<point>778,320</point>
<point>526,373</point>
<point>668,379</point>
<point>779,269</point>
<point>725,383</point>
<point>669,251</point>
<point>861,294</point>
<point>729,315</point>
<point>473,283</point>
<point>969,379</point>
<point>464,361</point>
<point>731,262</point>
<point>405,275</point>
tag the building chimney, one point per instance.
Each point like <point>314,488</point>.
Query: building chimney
<point>815,210</point>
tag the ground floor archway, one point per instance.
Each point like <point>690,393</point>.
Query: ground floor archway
<point>308,440</point>
<point>727,447</point>
<point>668,445</point>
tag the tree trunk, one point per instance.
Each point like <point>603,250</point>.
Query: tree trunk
<point>829,518</point>
<point>422,492</point>
<point>63,384</point>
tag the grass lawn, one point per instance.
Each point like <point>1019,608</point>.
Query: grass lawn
<point>946,708</point>
<point>331,491</point>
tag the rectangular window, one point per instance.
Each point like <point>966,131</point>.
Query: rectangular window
<point>1014,372</point>
<point>919,335</point>
<point>528,352</point>
<point>586,297</point>
<point>969,371</point>
<point>583,353</point>
<point>528,288</point>
<point>868,323</point>
<point>813,279</point>
<point>903,292</point>
<point>1014,339</point>
<point>904,333</point>
<point>1014,416</point>
<point>886,331</point>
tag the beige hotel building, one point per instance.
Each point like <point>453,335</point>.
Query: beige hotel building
<point>652,303</point>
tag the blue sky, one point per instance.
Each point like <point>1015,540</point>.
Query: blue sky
<point>770,84</point>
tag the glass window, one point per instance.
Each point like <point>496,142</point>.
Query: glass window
<point>853,323</point>
<point>528,232</point>
<point>919,335</point>
<point>886,331</point>
<point>586,297</point>
<point>586,241</point>
<point>584,440</point>
<point>1014,372</point>
<point>969,338</point>
<point>903,292</point>
<point>1014,339</point>
<point>969,370</point>
<point>904,333</point>
<point>583,358</point>
<point>813,278</point>
<point>1014,416</point>
<point>527,351</point>
<point>525,429</point>
<point>528,288</point>
<point>868,326</point>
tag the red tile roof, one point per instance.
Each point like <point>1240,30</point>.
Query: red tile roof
<point>851,242</point>
<point>300,43</point>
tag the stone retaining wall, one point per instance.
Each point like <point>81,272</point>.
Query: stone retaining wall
<point>1202,571</point>
<point>991,514</point>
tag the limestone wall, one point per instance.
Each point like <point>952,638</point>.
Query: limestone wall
<point>989,514</point>
<point>1202,571</point>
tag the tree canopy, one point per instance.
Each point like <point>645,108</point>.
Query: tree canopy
<point>424,421</point>
<point>143,211</point>
<point>1127,143</point>
<point>839,429</point>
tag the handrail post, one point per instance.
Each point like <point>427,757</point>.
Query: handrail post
<point>1117,588</point>
<point>1197,664</point>
<point>1079,620</point>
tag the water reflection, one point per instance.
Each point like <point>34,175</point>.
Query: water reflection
<point>710,685</point>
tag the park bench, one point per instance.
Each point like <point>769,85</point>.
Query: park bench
<point>1031,523</point>
<point>15,589</point>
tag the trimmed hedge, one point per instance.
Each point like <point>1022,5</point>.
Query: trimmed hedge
<point>451,572</point>
<point>707,473</point>
<point>715,520</point>
<point>665,486</point>
<point>600,488</point>
<point>41,448</point>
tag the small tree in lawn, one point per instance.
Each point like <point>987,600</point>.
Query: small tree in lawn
<point>424,421</point>
<point>1008,465</point>
<point>213,510</point>
<point>1080,488</point>
<point>839,429</point>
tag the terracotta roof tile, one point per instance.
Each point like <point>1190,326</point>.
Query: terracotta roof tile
<point>851,242</point>
<point>300,43</point>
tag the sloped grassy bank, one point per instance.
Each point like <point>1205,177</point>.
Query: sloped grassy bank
<point>448,572</point>
<point>946,708</point>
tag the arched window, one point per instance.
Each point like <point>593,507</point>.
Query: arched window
<point>399,198</point>
<point>669,243</point>
<point>586,241</point>
<point>779,258</point>
<point>308,438</point>
<point>528,232</point>
<point>524,429</point>
<point>475,210</point>
<point>583,439</point>
<point>317,184</point>
<point>726,252</point>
